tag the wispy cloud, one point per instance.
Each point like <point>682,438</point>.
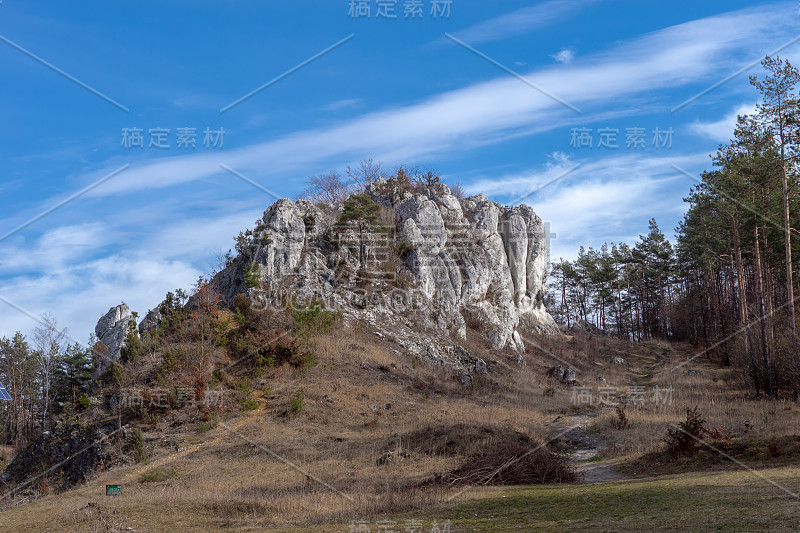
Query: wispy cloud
<point>566,55</point>
<point>477,114</point>
<point>722,130</point>
<point>54,249</point>
<point>342,104</point>
<point>80,295</point>
<point>76,272</point>
<point>522,21</point>
<point>600,200</point>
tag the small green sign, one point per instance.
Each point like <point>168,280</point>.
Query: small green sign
<point>113,490</point>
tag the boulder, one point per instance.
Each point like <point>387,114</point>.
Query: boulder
<point>619,361</point>
<point>587,327</point>
<point>564,374</point>
<point>569,376</point>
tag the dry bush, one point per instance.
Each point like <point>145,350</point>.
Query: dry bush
<point>719,437</point>
<point>622,417</point>
<point>366,172</point>
<point>458,190</point>
<point>512,462</point>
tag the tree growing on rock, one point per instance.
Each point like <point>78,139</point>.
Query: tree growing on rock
<point>364,213</point>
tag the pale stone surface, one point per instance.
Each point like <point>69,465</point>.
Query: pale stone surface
<point>151,320</point>
<point>435,266</point>
<point>112,329</point>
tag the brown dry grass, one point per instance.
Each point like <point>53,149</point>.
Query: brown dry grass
<point>717,393</point>
<point>364,399</point>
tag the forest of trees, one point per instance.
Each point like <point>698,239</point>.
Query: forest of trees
<point>728,285</point>
<point>46,377</point>
<point>621,289</point>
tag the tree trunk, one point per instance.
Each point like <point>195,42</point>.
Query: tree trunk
<point>768,382</point>
<point>788,238</point>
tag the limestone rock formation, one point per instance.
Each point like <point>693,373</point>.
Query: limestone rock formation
<point>151,320</point>
<point>112,329</point>
<point>420,272</point>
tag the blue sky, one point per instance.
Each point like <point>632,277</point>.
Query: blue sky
<point>397,90</point>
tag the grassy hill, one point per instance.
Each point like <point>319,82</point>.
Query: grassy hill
<point>348,428</point>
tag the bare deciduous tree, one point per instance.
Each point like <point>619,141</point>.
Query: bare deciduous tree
<point>365,173</point>
<point>327,188</point>
<point>48,341</point>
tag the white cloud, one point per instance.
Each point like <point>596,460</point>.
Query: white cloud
<point>565,56</point>
<point>601,200</point>
<point>722,129</point>
<point>342,104</point>
<point>55,249</point>
<point>80,295</point>
<point>521,21</point>
<point>69,273</point>
<point>696,51</point>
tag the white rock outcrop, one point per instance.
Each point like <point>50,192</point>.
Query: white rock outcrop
<point>434,266</point>
<point>112,330</point>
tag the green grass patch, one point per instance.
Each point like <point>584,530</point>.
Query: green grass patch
<point>158,474</point>
<point>719,501</point>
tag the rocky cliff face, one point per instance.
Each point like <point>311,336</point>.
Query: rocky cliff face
<point>420,269</point>
<point>112,329</point>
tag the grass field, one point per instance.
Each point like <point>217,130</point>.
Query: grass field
<point>321,467</point>
<point>714,501</point>
<point>734,500</point>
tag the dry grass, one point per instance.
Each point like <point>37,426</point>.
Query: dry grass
<point>361,398</point>
<point>717,394</point>
<point>330,462</point>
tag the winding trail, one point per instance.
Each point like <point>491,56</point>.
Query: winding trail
<point>587,448</point>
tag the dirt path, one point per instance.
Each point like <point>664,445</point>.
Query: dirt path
<point>587,447</point>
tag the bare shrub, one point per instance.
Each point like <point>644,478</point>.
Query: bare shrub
<point>720,437</point>
<point>458,190</point>
<point>512,462</point>
<point>622,421</point>
<point>366,172</point>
